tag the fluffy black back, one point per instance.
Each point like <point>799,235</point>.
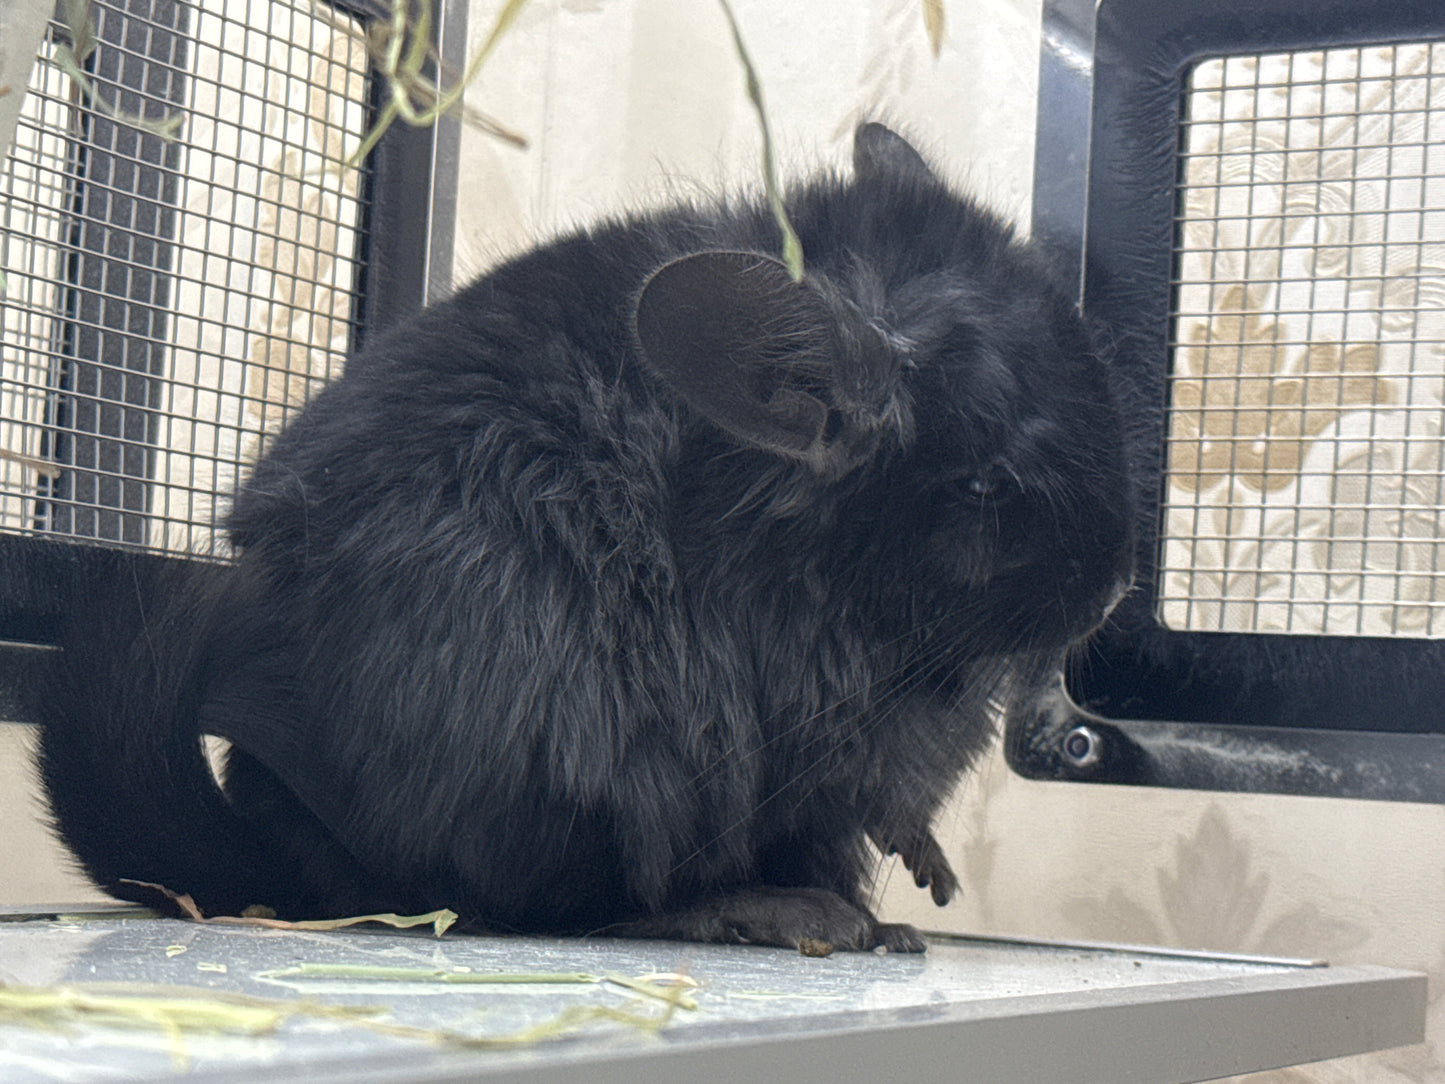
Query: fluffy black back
<point>633,577</point>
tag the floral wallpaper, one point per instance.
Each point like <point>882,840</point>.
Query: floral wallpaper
<point>1295,438</point>
<point>1304,453</point>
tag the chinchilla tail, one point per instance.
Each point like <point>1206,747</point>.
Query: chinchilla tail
<point>128,784</point>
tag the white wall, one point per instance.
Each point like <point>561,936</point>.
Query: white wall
<point>34,869</point>
<point>627,101</point>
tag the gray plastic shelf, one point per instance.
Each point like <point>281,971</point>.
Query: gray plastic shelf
<point>976,1010</point>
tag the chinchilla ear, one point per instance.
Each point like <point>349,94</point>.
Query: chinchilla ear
<point>768,360</point>
<point>879,151</point>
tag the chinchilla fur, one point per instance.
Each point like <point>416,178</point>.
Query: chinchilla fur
<point>635,588</point>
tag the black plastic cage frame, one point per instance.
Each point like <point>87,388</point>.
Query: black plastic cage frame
<point>1351,716</point>
<point>404,260</point>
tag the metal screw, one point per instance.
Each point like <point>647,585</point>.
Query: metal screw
<point>1082,747</point>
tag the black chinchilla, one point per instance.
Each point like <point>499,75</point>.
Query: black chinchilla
<point>633,589</point>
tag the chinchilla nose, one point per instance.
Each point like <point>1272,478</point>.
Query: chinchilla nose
<point>1106,601</point>
<point>1122,586</point>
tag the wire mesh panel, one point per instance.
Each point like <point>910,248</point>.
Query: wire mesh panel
<point>1305,488</point>
<point>1259,208</point>
<point>167,302</point>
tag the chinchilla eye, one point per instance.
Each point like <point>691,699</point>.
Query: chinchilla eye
<point>993,482</point>
<point>971,487</point>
